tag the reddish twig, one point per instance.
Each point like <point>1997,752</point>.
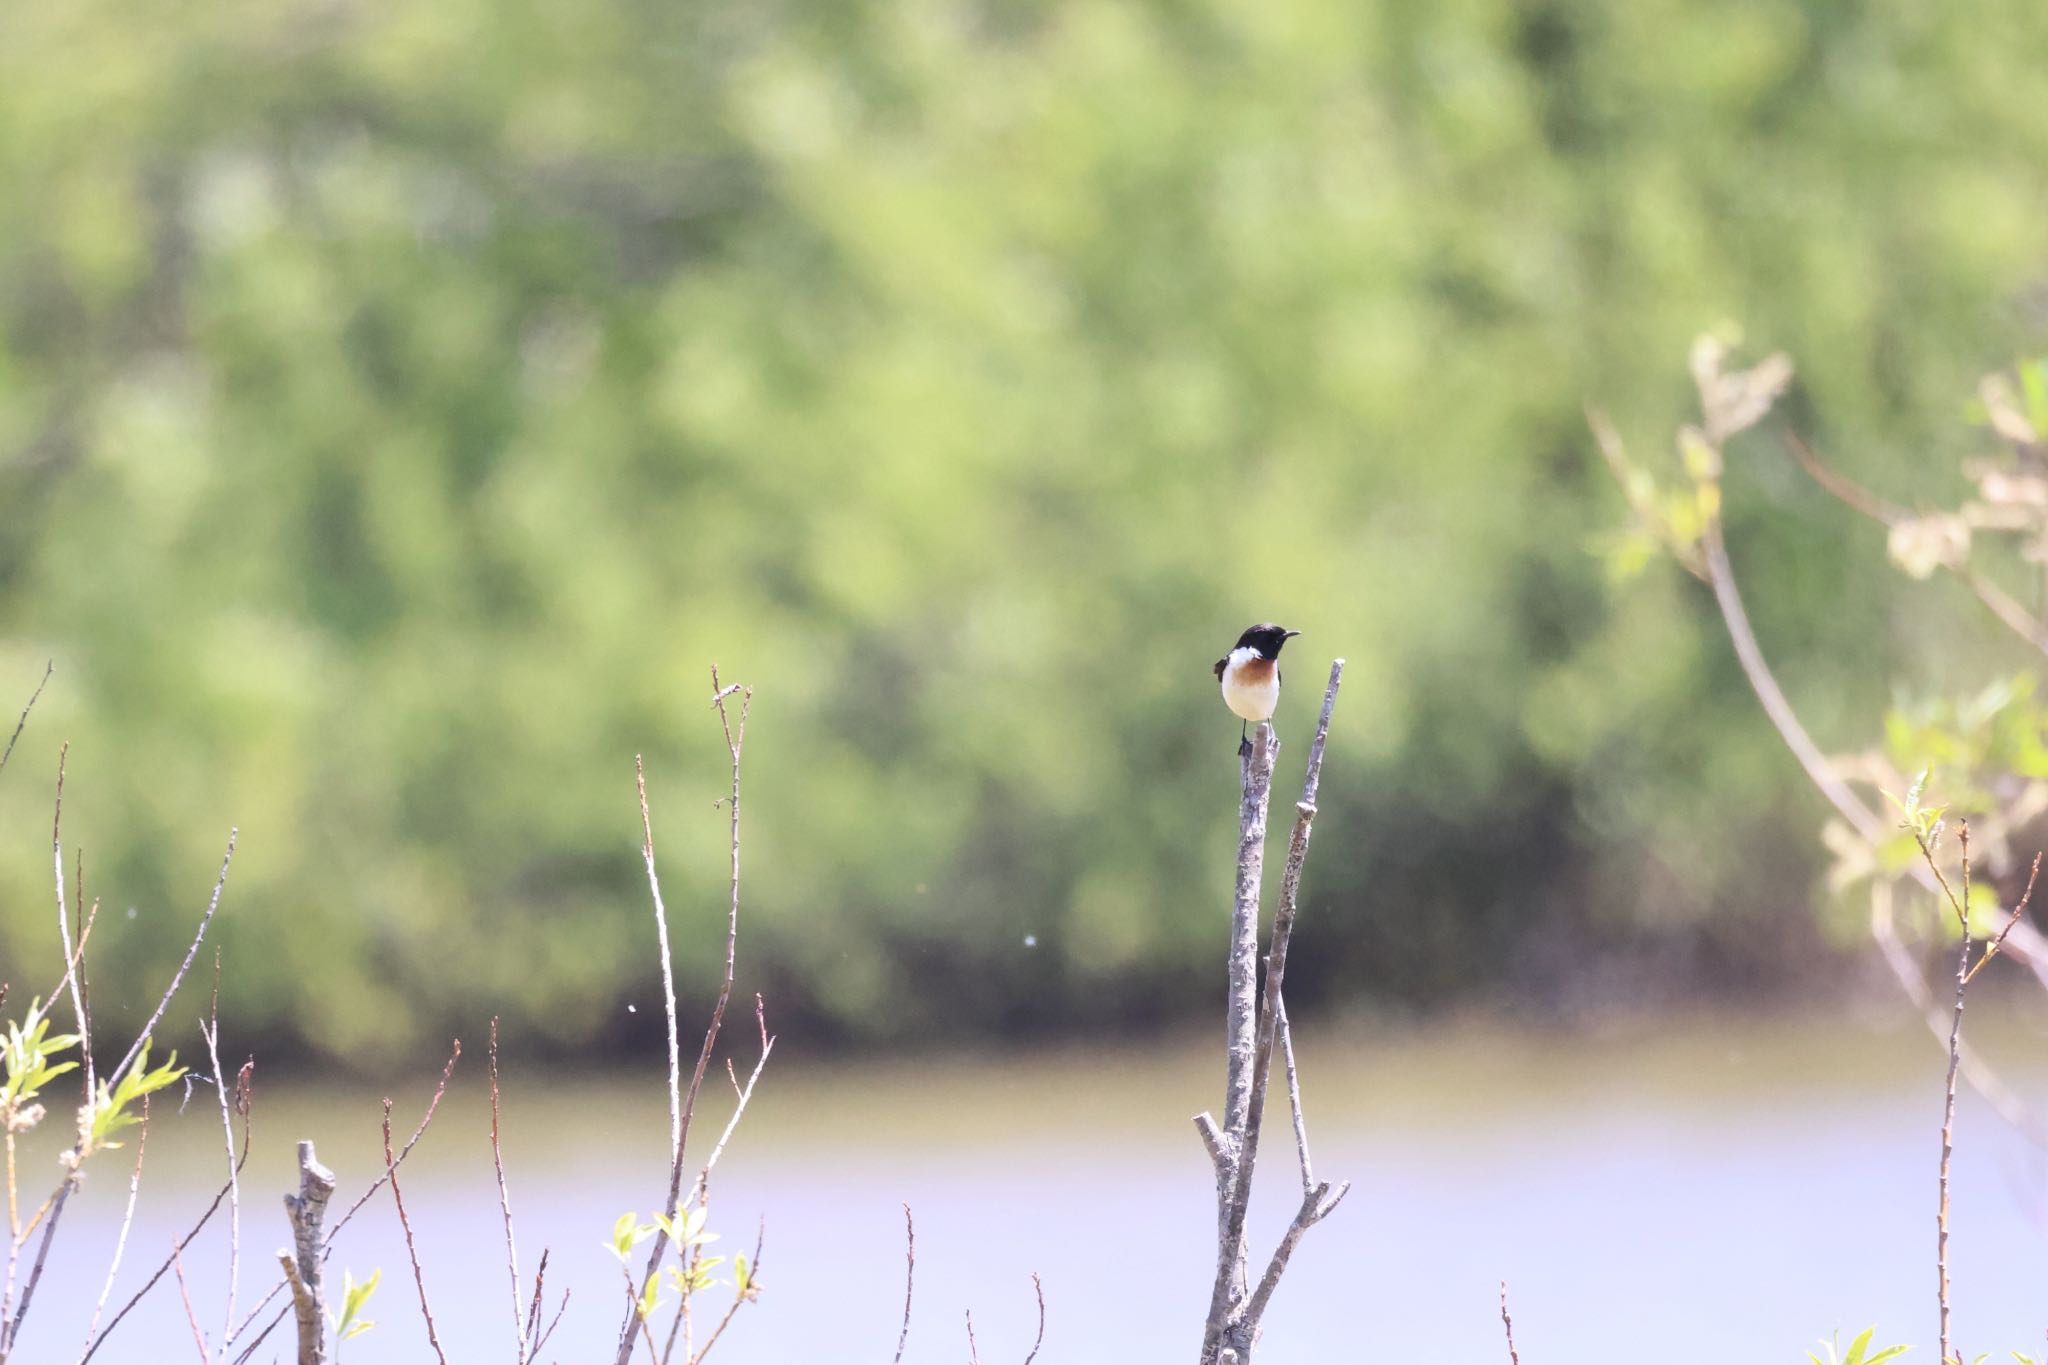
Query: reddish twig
<point>412,1252</point>
<point>1508,1325</point>
<point>191,1317</point>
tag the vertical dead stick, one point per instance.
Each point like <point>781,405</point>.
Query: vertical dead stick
<point>1240,1038</point>
<point>307,1210</point>
<point>1508,1324</point>
<point>1233,1319</point>
<point>909,1279</point>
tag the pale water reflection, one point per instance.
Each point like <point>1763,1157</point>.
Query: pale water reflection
<point>1713,1190</point>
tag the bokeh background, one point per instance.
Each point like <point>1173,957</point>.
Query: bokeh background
<point>402,404</point>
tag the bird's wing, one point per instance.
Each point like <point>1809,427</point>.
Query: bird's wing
<point>1219,666</point>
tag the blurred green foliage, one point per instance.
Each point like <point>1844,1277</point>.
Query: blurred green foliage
<point>402,403</point>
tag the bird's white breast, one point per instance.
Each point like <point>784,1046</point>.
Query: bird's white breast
<point>1251,684</point>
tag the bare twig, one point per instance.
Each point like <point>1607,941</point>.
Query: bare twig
<point>504,1205</point>
<point>540,1279</point>
<point>909,1279</point>
<point>191,1317</point>
<point>148,1029</point>
<point>1508,1325</point>
<point>48,669</point>
<point>1948,1110</point>
<point>209,1029</point>
<point>1038,1288</point>
<point>973,1351</point>
<point>1318,1204</point>
<point>745,1093</point>
<point>1308,1171</point>
<point>684,1107</point>
<point>327,1251</point>
<point>127,1220</point>
<point>412,1251</point>
<point>2019,912</point>
<point>740,1298</point>
<point>242,1106</point>
<point>1845,490</point>
<point>64,930</point>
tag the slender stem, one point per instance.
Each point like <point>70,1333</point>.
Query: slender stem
<point>504,1203</point>
<point>1948,1109</point>
<point>48,669</point>
<point>909,1279</point>
<point>412,1250</point>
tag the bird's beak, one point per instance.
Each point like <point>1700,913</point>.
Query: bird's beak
<point>1290,635</point>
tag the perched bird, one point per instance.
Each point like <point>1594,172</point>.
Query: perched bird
<point>1250,676</point>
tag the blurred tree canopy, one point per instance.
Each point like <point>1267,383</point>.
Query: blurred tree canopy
<point>401,404</point>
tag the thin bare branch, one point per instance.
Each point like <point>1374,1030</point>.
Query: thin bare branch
<point>48,669</point>
<point>504,1205</point>
<point>127,1220</point>
<point>1316,1205</point>
<point>740,1298</point>
<point>681,1112</point>
<point>1308,1173</point>
<point>412,1251</point>
<point>973,1351</point>
<point>1844,489</point>
<point>75,975</point>
<point>149,1029</point>
<point>1038,1288</point>
<point>1508,1325</point>
<point>209,1029</point>
<point>745,1093</point>
<point>2019,912</point>
<point>334,1231</point>
<point>191,1317</point>
<point>909,1279</point>
<point>243,1105</point>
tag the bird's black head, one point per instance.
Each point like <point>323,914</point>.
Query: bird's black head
<point>1266,639</point>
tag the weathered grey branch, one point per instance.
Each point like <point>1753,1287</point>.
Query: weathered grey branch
<point>307,1210</point>
<point>1240,1037</point>
<point>1233,1323</point>
<point>1308,1170</point>
<point>1318,1204</point>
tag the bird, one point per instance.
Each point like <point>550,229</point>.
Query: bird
<point>1250,676</point>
